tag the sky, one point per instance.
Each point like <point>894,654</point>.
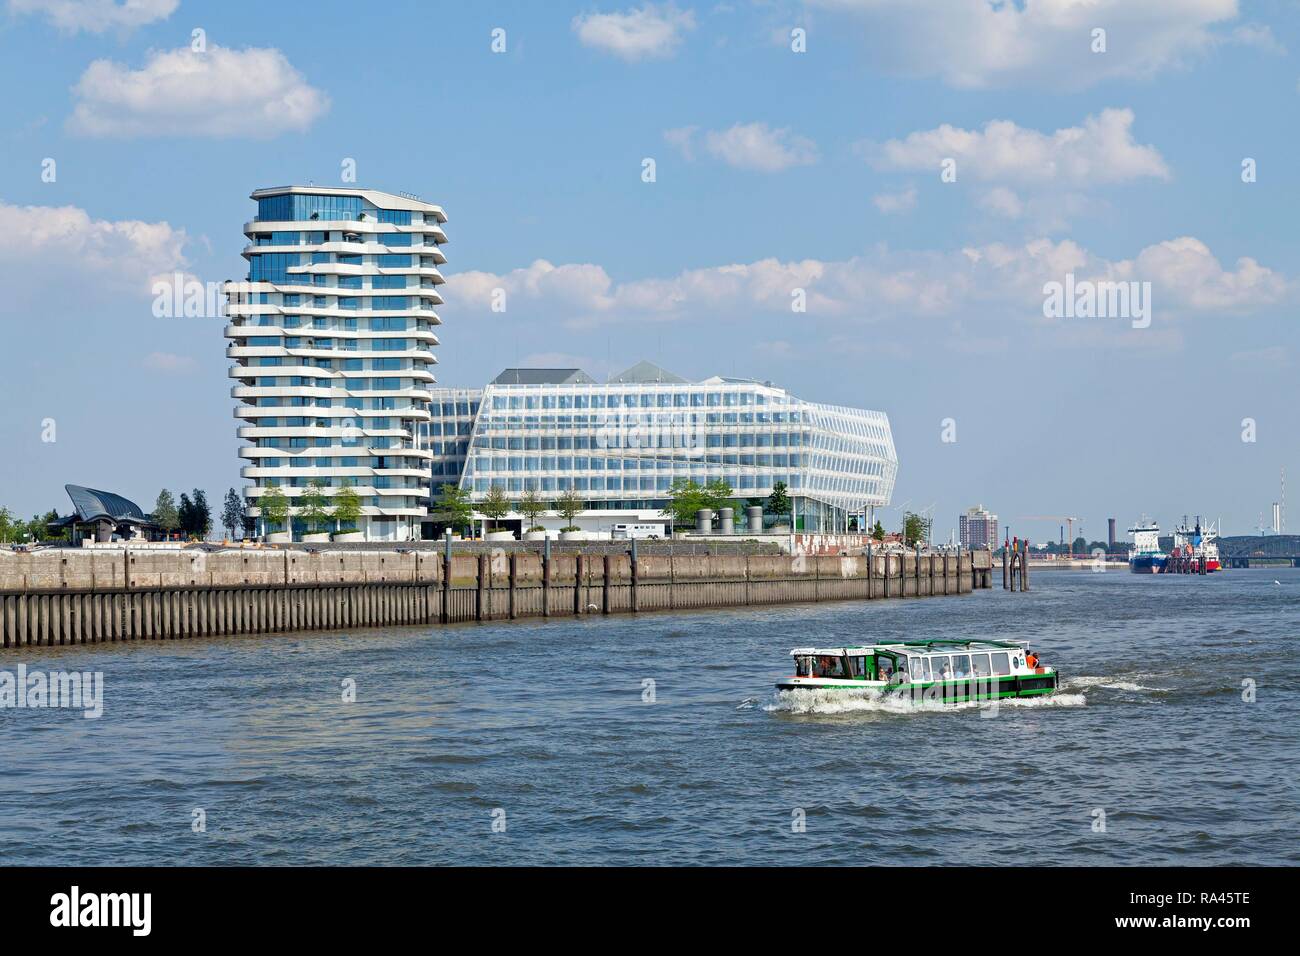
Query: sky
<point>866,201</point>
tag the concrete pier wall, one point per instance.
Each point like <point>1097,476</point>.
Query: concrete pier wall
<point>50,598</point>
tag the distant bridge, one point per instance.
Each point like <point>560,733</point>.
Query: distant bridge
<point>1254,550</point>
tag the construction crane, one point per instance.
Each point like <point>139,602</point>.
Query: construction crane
<point>1068,519</point>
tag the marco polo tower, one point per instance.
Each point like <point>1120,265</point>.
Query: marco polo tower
<point>332,337</point>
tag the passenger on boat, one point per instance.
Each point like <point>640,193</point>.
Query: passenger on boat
<point>1031,659</point>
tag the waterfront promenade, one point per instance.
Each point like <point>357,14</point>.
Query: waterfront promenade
<point>64,596</point>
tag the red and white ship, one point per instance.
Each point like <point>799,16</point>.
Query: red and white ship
<point>1195,544</point>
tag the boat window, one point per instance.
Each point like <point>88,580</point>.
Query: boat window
<point>1001,663</point>
<point>926,665</point>
<point>859,665</point>
<point>961,665</point>
<point>981,662</point>
<point>884,667</point>
<point>803,666</point>
<point>827,665</point>
<point>942,667</point>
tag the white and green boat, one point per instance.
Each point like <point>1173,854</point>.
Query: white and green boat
<point>946,671</point>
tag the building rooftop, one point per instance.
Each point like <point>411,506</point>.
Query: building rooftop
<point>543,376</point>
<point>91,505</point>
<point>646,373</point>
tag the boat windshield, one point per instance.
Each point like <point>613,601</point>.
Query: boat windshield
<point>827,665</point>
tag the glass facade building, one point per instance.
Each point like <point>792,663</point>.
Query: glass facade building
<point>332,335</point>
<point>620,445</point>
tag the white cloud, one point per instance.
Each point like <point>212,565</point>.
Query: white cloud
<point>1100,151</point>
<point>1258,36</point>
<point>96,16</point>
<point>752,146</point>
<point>652,31</point>
<point>63,248</point>
<point>252,92</point>
<point>1002,202</point>
<point>890,203</point>
<point>996,281</point>
<point>170,364</point>
<point>978,43</point>
<point>683,139</point>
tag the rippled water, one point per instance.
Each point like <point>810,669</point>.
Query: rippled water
<point>546,722</point>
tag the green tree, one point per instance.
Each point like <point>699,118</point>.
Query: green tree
<point>717,495</point>
<point>185,514</point>
<point>201,516</point>
<point>915,529</point>
<point>232,512</point>
<point>685,497</point>
<point>275,509</point>
<point>568,504</point>
<point>532,506</point>
<point>313,506</point>
<point>7,526</point>
<point>453,507</point>
<point>878,532</point>
<point>347,507</point>
<point>778,502</point>
<point>495,505</point>
<point>165,515</point>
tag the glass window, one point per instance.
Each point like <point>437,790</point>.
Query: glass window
<point>1001,663</point>
<point>942,667</point>
<point>961,665</point>
<point>981,665</point>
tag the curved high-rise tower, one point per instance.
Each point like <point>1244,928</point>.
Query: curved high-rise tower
<point>332,335</point>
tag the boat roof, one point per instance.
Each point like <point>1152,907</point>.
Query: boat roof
<point>912,647</point>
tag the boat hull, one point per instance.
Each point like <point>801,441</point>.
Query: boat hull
<point>956,691</point>
<point>1147,564</point>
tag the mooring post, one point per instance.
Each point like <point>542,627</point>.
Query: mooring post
<point>636,604</point>
<point>604,593</point>
<point>546,578</point>
<point>514,577</point>
<point>445,616</point>
<point>1006,566</point>
<point>484,582</point>
<point>1024,567</point>
<point>916,571</point>
<point>578,604</point>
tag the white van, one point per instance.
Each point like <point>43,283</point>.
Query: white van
<point>637,531</point>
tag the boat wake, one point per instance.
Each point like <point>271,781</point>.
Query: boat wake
<point>1107,683</point>
<point>825,702</point>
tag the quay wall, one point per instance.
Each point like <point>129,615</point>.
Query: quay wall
<point>67,596</point>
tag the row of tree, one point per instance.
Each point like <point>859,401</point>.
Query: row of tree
<point>316,506</point>
<point>454,508</point>
<point>192,517</point>
<point>14,530</point>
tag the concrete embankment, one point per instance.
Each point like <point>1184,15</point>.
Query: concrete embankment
<point>64,596</point>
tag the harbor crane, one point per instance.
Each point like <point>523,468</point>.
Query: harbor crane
<point>1068,519</point>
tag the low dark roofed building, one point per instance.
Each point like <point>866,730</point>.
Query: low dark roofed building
<point>91,504</point>
<point>544,376</point>
<point>104,512</point>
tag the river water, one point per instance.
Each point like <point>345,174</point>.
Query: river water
<point>545,743</point>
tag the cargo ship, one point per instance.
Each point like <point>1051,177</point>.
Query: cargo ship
<point>1195,546</point>
<point>1145,557</point>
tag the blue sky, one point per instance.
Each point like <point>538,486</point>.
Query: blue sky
<point>775,170</point>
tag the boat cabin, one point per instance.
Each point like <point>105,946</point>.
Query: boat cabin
<point>912,662</point>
